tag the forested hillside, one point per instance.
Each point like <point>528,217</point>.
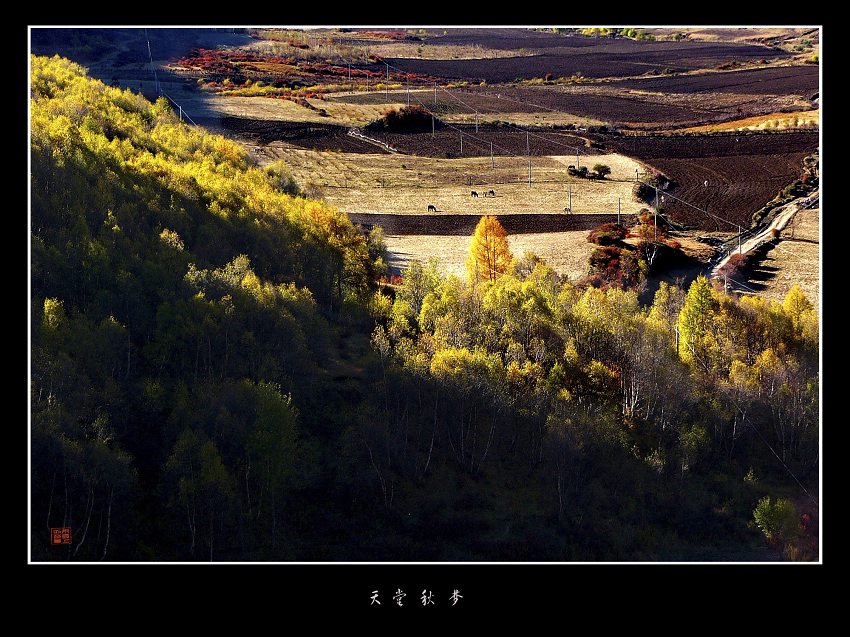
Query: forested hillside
<point>216,375</point>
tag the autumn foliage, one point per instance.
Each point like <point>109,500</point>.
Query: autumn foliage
<point>215,375</point>
<point>607,234</point>
<point>489,253</point>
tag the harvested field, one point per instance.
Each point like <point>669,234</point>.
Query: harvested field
<point>566,252</point>
<point>464,224</point>
<point>577,103</point>
<point>743,171</point>
<point>483,100</point>
<point>795,259</point>
<point>737,186</point>
<point>506,142</point>
<point>631,108</point>
<point>508,39</point>
<point>595,58</point>
<point>312,135</point>
<point>681,146</point>
<point>445,143</point>
<point>584,104</point>
<point>463,105</point>
<point>778,80</point>
<point>404,184</point>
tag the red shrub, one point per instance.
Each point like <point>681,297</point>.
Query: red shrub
<point>607,234</point>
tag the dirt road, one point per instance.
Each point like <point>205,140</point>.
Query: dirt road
<point>781,218</point>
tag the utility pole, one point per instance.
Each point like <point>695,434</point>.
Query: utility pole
<point>476,121</point>
<point>740,230</point>
<point>408,89</point>
<point>181,112</point>
<point>432,124</point>
<point>529,172</point>
<point>387,85</point>
<point>461,144</point>
<point>618,211</point>
<point>655,225</point>
<point>435,95</point>
<point>570,198</point>
<point>527,147</point>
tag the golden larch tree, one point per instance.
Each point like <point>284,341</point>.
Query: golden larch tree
<point>489,253</point>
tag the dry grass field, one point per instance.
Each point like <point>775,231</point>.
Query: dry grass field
<point>749,34</point>
<point>794,260</point>
<point>341,110</point>
<point>566,252</point>
<point>772,121</point>
<point>406,184</point>
<point>341,113</point>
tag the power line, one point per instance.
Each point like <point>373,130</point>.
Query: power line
<point>572,147</point>
<point>506,151</point>
<point>455,128</point>
<point>491,144</point>
<point>714,216</point>
<point>153,68</point>
<point>577,149</point>
<point>181,112</point>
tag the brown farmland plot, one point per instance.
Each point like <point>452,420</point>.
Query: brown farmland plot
<point>593,58</point>
<point>742,171</point>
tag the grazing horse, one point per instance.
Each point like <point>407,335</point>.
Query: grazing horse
<point>474,193</point>
<point>491,193</point>
<point>568,209</point>
<point>432,208</point>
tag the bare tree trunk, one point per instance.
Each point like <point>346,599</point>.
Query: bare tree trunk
<point>89,506</point>
<point>378,472</point>
<point>191,521</point>
<point>65,512</point>
<point>433,435</point>
<point>247,486</point>
<point>489,440</point>
<point>197,356</point>
<point>50,501</point>
<point>462,413</point>
<point>274,522</point>
<point>226,354</point>
<point>99,528</point>
<point>559,482</point>
<point>108,525</point>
